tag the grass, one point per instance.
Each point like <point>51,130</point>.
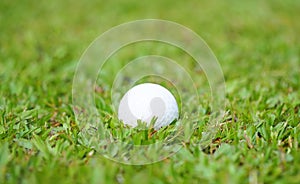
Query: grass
<point>257,46</point>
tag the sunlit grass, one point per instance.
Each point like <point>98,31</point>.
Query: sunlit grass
<point>255,42</point>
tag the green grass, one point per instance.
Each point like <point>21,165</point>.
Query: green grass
<point>257,44</point>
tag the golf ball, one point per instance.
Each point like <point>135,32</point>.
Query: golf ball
<point>145,102</point>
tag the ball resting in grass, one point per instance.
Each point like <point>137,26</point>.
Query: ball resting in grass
<point>145,102</point>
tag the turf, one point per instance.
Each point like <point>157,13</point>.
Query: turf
<point>256,42</point>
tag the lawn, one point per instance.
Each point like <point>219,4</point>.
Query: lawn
<point>255,42</point>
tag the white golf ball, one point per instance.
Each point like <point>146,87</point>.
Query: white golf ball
<point>147,101</point>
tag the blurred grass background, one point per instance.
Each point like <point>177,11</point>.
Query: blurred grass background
<point>256,42</point>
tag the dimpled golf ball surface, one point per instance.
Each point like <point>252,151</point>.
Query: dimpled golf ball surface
<point>145,102</point>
